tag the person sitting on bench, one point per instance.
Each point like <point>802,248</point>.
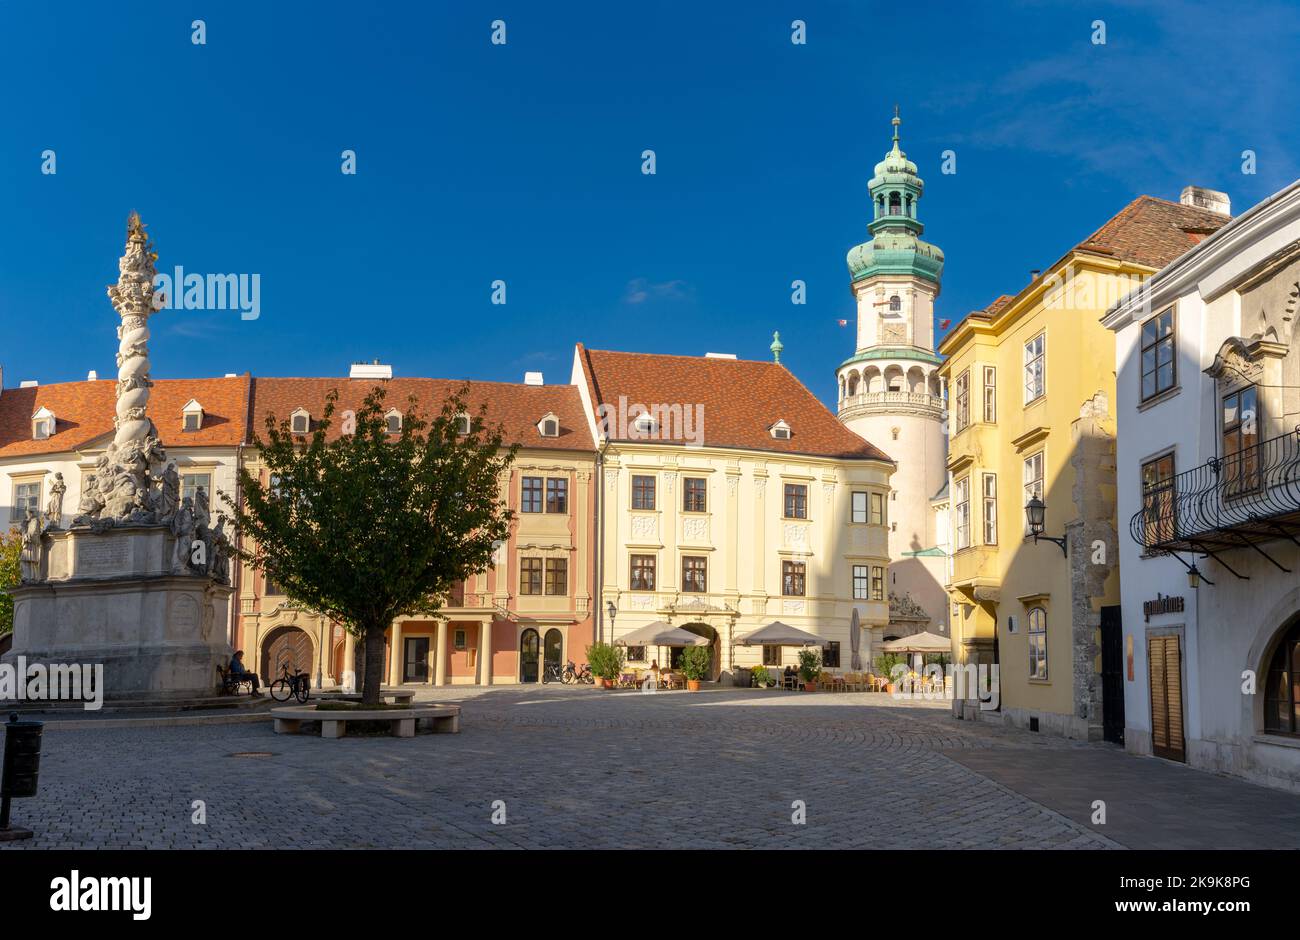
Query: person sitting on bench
<point>239,673</point>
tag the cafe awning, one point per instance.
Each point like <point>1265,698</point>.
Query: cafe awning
<point>660,633</point>
<point>923,642</point>
<point>777,633</point>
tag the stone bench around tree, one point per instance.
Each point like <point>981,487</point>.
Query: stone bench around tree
<point>441,719</point>
<point>392,696</point>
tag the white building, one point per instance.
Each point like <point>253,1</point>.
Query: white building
<point>1208,466</point>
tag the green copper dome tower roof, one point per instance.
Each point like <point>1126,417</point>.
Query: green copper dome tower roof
<point>895,246</point>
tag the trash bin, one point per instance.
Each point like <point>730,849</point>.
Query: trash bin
<point>22,764</point>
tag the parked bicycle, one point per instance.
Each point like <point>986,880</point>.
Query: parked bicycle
<point>574,676</point>
<point>295,685</point>
<point>553,673</point>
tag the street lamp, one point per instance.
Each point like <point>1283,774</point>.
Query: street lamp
<point>612,611</point>
<point>1035,513</point>
<point>1193,577</point>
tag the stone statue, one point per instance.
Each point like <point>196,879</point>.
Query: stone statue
<point>183,529</point>
<point>169,493</point>
<point>92,503</point>
<point>202,516</point>
<point>31,548</point>
<point>219,551</point>
<point>54,509</point>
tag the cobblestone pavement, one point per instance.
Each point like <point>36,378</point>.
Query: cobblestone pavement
<point>573,768</point>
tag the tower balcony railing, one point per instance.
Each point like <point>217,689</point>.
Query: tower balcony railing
<point>1241,500</point>
<point>869,402</point>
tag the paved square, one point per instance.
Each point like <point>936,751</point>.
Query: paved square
<point>581,768</point>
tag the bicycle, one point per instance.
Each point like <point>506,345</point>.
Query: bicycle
<point>575,676</point>
<point>297,685</point>
<point>553,673</point>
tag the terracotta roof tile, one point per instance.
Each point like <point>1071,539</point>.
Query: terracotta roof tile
<point>517,407</point>
<point>741,399</point>
<point>1152,231</point>
<point>84,412</point>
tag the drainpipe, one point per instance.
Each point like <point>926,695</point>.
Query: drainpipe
<point>598,592</point>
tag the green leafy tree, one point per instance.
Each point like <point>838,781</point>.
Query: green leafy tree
<point>11,548</point>
<point>367,526</point>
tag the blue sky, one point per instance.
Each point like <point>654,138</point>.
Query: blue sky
<point>523,163</point>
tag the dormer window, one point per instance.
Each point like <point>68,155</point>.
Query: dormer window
<point>393,421</point>
<point>300,421</point>
<point>462,424</point>
<point>191,416</point>
<point>549,426</point>
<point>780,431</point>
<point>43,423</point>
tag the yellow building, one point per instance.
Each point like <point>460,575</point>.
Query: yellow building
<point>731,498</point>
<point>1031,382</point>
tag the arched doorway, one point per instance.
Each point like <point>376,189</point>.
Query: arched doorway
<point>286,646</point>
<point>552,651</point>
<point>715,648</point>
<point>529,644</point>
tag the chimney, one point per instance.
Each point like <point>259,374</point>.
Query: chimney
<point>370,370</point>
<point>533,378</point>
<point>92,376</point>
<point>710,355</point>
<point>231,375</point>
<point>1033,275</point>
<point>28,383</point>
<point>1209,199</point>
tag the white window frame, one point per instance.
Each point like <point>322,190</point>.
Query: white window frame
<point>990,394</point>
<point>1035,373</point>
<point>1036,632</point>
<point>861,578</point>
<point>859,514</point>
<point>989,492</point>
<point>961,512</point>
<point>1033,479</point>
<point>961,401</point>
<point>19,513</point>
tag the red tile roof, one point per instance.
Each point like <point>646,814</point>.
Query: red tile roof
<point>84,412</point>
<point>518,408</point>
<point>1152,231</point>
<point>742,399</point>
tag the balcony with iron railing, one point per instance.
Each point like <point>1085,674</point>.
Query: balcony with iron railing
<point>864,403</point>
<point>1239,501</point>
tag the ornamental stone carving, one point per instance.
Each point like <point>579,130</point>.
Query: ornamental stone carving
<point>645,528</point>
<point>695,529</point>
<point>795,535</point>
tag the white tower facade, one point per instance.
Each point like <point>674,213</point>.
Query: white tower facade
<point>890,392</point>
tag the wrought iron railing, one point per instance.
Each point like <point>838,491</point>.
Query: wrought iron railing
<point>1244,498</point>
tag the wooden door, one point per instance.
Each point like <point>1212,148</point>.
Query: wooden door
<point>1165,667</point>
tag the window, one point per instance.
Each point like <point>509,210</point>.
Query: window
<point>694,494</point>
<point>643,492</point>
<point>1159,344</point>
<point>1282,690</point>
<point>557,495</point>
<point>877,508</point>
<point>990,509</point>
<point>860,582</point>
<point>1240,434</point>
<point>796,501</point>
<point>990,395</point>
<point>1034,352</point>
<point>643,572</point>
<point>858,507</point>
<point>961,413</point>
<point>190,483</point>
<point>272,588</point>
<point>780,431</point>
<point>1033,480</point>
<point>961,507</point>
<point>636,654</point>
<point>877,582</point>
<point>26,496</point>
<point>192,421</point>
<point>1037,643</point>
<point>771,655</point>
<point>831,654</point>
<point>557,576</point>
<point>895,304</point>
<point>43,423</point>
<point>550,428</point>
<point>1158,499</point>
<point>393,423</point>
<point>462,424</point>
<point>531,495</point>
<point>695,574</point>
<point>792,578</point>
<point>300,422</point>
<point>458,640</point>
<point>530,576</point>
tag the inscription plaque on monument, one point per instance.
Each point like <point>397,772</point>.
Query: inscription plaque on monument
<point>96,556</point>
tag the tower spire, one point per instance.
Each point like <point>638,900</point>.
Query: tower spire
<point>896,121</point>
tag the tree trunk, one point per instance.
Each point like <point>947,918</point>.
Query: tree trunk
<point>358,662</point>
<point>374,674</point>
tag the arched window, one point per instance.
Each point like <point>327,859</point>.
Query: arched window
<point>895,304</point>
<point>1037,643</point>
<point>895,204</point>
<point>880,206</point>
<point>1282,689</point>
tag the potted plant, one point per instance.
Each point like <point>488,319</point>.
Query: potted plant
<point>695,665</point>
<point>885,664</point>
<point>761,676</point>
<point>606,663</point>
<point>810,667</point>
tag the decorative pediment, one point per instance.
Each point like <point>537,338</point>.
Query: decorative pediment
<point>1242,362</point>
<point>903,609</point>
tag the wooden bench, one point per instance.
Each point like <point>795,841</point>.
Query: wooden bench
<point>441,719</point>
<point>231,682</point>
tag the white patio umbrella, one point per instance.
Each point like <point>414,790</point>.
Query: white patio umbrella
<point>660,633</point>
<point>923,642</point>
<point>777,633</point>
<point>855,640</point>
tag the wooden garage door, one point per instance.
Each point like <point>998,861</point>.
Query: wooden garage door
<point>1165,663</point>
<point>286,646</point>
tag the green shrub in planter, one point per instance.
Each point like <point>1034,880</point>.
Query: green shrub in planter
<point>606,661</point>
<point>695,662</point>
<point>810,664</point>
<point>885,664</point>
<point>761,677</point>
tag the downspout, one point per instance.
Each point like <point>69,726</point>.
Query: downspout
<point>600,542</point>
